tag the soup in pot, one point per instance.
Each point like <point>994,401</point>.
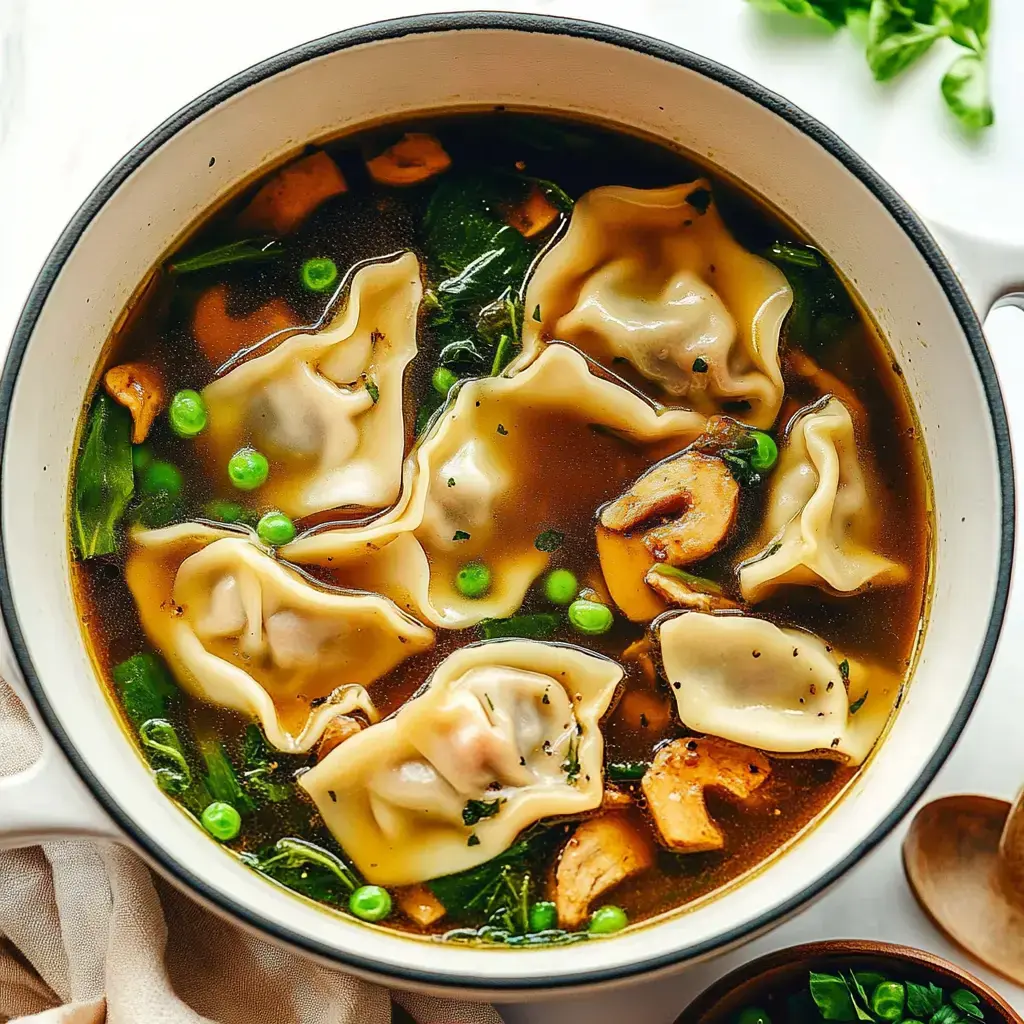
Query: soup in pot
<point>500,528</point>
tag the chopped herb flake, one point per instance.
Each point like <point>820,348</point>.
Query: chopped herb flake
<point>549,541</point>
<point>460,535</point>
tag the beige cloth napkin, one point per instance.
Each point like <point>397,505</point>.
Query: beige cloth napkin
<point>88,934</point>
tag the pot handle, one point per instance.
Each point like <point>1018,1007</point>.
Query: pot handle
<point>991,272</point>
<point>48,800</point>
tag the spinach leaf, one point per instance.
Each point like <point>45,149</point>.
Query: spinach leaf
<point>923,1000</point>
<point>259,768</point>
<point>246,250</point>
<point>822,309</point>
<point>895,39</point>
<point>965,89</point>
<point>734,444</point>
<point>104,480</point>
<point>144,686</point>
<point>832,12</point>
<point>221,780</point>
<point>533,626</point>
<point>831,995</point>
<point>165,753</point>
<point>306,868</point>
<point>477,810</point>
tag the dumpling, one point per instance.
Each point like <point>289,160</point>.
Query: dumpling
<point>652,276</point>
<point>465,487</point>
<point>505,733</point>
<point>821,526</point>
<point>241,630</point>
<point>780,690</point>
<point>327,407</point>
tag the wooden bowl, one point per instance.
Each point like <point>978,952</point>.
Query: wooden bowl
<point>787,968</point>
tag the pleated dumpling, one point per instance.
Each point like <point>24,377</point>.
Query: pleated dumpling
<point>243,631</point>
<point>780,690</point>
<point>499,439</point>
<point>505,733</point>
<point>653,277</point>
<point>327,407</point>
<point>822,521</point>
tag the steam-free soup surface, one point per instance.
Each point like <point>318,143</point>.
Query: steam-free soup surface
<point>497,193</point>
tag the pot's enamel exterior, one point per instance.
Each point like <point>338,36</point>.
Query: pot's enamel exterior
<point>460,61</point>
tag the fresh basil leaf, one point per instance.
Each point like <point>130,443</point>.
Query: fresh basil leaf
<point>104,478</point>
<point>831,995</point>
<point>947,1015</point>
<point>861,1003</point>
<point>869,980</point>
<point>970,21</point>
<point>144,686</point>
<point>965,90</point>
<point>968,1002</point>
<point>923,1000</point>
<point>895,41</point>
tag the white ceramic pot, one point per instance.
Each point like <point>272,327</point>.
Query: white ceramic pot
<point>90,781</point>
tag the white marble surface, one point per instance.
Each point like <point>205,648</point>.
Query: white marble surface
<point>80,83</point>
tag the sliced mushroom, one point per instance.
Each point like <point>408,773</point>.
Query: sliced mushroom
<point>695,493</point>
<point>291,194</point>
<point>601,853</point>
<point>140,389</point>
<point>615,799</point>
<point>338,730</point>
<point>680,773</point>
<point>420,905</point>
<point>685,592</point>
<point>825,382</point>
<point>534,214</point>
<point>414,158</point>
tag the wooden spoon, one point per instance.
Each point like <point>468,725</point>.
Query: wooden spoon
<point>964,859</point>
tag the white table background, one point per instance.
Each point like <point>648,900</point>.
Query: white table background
<point>81,81</point>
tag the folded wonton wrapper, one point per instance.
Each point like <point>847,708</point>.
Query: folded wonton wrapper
<point>326,407</point>
<point>505,733</point>
<point>243,631</point>
<point>779,690</point>
<point>644,275</point>
<point>822,520</point>
<point>462,501</point>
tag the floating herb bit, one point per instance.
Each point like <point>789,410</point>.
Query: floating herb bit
<point>318,274</point>
<point>536,626</point>
<point>549,541</point>
<point>371,388</point>
<point>246,250</point>
<point>700,365</point>
<point>626,771</point>
<point>477,810</point>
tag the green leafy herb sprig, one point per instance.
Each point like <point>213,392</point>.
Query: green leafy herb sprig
<point>898,32</point>
<point>871,997</point>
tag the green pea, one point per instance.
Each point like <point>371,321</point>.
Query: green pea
<point>766,451</point>
<point>607,920</point>
<point>275,529</point>
<point>161,478</point>
<point>887,1001</point>
<point>543,916</point>
<point>222,821</point>
<point>370,903</point>
<point>753,1015</point>
<point>226,511</point>
<point>473,580</point>
<point>187,413</point>
<point>561,586</point>
<point>141,457</point>
<point>319,273</point>
<point>248,469</point>
<point>590,618</point>
<point>443,380</point>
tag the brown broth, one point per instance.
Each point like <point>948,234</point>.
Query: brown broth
<point>568,471</point>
